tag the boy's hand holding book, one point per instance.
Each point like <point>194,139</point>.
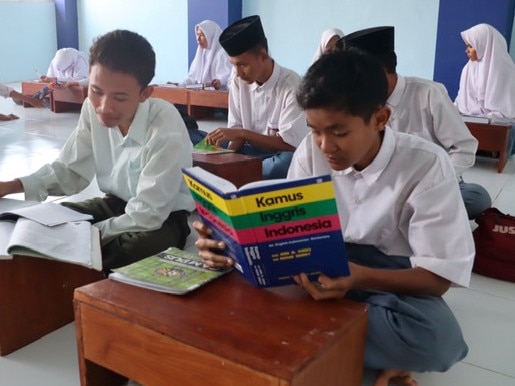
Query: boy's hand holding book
<point>208,247</point>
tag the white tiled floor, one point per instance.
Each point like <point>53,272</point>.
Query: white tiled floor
<point>486,310</point>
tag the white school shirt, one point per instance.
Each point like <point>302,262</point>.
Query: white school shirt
<point>142,168</point>
<point>423,107</point>
<point>270,108</point>
<point>4,90</point>
<point>405,203</point>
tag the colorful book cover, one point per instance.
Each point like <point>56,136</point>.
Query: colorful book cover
<point>204,148</point>
<point>273,229</point>
<point>173,271</point>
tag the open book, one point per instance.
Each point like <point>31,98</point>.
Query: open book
<point>273,229</point>
<point>475,119</point>
<point>193,86</point>
<point>48,213</point>
<point>203,148</point>
<point>173,271</point>
<point>72,240</point>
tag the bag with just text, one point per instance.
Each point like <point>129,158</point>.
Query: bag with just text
<point>495,245</point>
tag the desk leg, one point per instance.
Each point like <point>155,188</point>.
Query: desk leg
<point>199,112</point>
<point>505,153</point>
<point>92,374</point>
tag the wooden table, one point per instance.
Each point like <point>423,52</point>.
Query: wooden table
<point>493,137</point>
<point>68,99</point>
<point>36,298</point>
<point>199,103</point>
<point>225,333</point>
<point>175,95</point>
<point>238,168</point>
<point>29,88</point>
<point>61,100</point>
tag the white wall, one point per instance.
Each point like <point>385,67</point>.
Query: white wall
<point>163,22</point>
<point>294,28</point>
<point>28,40</point>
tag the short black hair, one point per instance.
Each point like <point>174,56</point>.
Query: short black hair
<point>127,52</point>
<point>350,81</point>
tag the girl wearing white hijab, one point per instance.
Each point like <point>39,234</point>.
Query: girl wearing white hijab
<point>67,65</point>
<point>328,41</point>
<point>487,83</point>
<point>211,64</point>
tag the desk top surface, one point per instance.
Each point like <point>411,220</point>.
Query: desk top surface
<point>261,328</point>
<point>224,159</point>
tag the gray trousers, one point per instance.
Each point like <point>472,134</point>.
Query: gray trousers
<point>130,247</point>
<point>475,197</point>
<point>275,165</point>
<point>413,333</point>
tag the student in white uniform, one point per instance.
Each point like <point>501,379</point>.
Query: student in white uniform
<point>8,92</point>
<point>264,117</point>
<point>68,65</point>
<point>487,82</point>
<point>134,145</point>
<point>396,216</point>
<point>211,64</point>
<point>328,42</point>
<point>423,107</point>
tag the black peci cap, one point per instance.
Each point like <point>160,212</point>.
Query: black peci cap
<point>242,36</point>
<point>377,40</point>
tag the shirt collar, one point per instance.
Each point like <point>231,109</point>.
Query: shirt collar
<point>395,97</point>
<point>372,172</point>
<point>138,128</point>
<point>271,82</point>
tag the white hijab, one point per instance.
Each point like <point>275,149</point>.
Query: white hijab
<point>69,64</point>
<point>487,86</point>
<point>212,62</point>
<point>326,36</point>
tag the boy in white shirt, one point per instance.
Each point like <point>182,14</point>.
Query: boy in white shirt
<point>264,119</point>
<point>134,145</point>
<point>423,108</point>
<point>407,235</point>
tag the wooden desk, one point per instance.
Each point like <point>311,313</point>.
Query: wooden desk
<point>199,103</point>
<point>31,87</point>
<point>238,168</point>
<point>68,99</point>
<point>493,137</point>
<point>61,100</point>
<point>226,333</point>
<point>36,298</point>
<point>173,95</point>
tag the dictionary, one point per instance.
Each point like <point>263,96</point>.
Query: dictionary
<point>273,229</point>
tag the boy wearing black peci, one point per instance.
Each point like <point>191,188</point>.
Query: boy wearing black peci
<point>264,119</point>
<point>396,217</point>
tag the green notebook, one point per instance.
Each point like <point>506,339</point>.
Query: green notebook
<point>203,148</point>
<point>172,271</point>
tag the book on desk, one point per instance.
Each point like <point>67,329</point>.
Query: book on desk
<point>204,148</point>
<point>191,86</point>
<point>172,271</point>
<point>50,231</point>
<point>273,229</point>
<point>475,118</point>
